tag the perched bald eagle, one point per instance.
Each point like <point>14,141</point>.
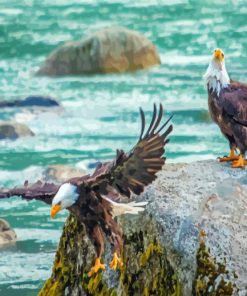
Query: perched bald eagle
<point>227,101</point>
<point>94,199</point>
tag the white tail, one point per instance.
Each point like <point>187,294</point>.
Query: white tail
<point>126,208</point>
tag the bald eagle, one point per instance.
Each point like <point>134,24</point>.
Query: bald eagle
<point>227,101</point>
<point>95,199</point>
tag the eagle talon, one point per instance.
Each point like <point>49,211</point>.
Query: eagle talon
<point>228,158</point>
<point>231,157</point>
<point>240,163</point>
<point>116,262</point>
<point>97,266</point>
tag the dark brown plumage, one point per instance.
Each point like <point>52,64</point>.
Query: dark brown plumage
<point>98,193</point>
<point>40,191</point>
<point>227,101</point>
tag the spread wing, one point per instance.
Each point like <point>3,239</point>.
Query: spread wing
<point>133,171</point>
<point>39,190</point>
<point>234,102</point>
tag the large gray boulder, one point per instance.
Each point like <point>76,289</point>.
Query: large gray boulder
<point>7,235</point>
<point>110,50</point>
<point>14,130</point>
<point>59,173</point>
<point>191,240</point>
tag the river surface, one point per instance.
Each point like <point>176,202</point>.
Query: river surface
<point>100,113</point>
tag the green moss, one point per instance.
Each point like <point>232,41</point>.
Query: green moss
<point>148,272</point>
<point>65,273</point>
<point>211,275</point>
<point>148,253</point>
<point>95,286</point>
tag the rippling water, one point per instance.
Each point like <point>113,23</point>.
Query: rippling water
<point>100,113</point>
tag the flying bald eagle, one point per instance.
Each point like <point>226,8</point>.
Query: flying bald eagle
<point>227,101</point>
<point>94,199</point>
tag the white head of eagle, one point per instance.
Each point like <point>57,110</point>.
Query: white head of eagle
<point>66,196</point>
<point>216,75</point>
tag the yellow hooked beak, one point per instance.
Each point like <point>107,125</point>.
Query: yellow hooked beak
<point>54,210</point>
<point>219,54</point>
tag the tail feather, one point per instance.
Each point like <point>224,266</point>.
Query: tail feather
<point>139,204</point>
<point>126,208</point>
<point>129,208</point>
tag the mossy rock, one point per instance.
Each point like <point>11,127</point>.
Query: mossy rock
<point>111,50</point>
<point>146,270</point>
<point>164,253</point>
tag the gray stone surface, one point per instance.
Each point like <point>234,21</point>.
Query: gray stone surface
<point>110,50</point>
<point>14,130</point>
<point>7,235</point>
<point>187,198</point>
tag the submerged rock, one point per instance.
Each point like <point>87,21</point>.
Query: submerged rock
<point>13,131</point>
<point>107,51</point>
<point>190,241</point>
<point>31,101</point>
<point>7,235</point>
<point>60,173</point>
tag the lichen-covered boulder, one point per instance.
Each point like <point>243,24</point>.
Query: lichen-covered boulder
<point>190,241</point>
<point>7,235</point>
<point>14,130</point>
<point>110,50</point>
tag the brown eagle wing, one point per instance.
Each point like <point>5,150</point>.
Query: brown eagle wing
<point>133,171</point>
<point>39,190</point>
<point>234,102</point>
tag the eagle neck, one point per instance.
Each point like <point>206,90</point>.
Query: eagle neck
<point>216,77</point>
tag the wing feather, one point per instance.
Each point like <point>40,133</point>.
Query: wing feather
<point>131,172</point>
<point>142,123</point>
<point>152,121</point>
<point>40,190</point>
<point>158,120</point>
<point>233,100</point>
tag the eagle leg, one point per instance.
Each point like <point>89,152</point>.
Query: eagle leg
<point>97,266</point>
<point>117,241</point>
<point>98,237</point>
<point>232,156</point>
<point>116,262</point>
<point>240,163</point>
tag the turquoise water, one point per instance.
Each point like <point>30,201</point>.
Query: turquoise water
<point>100,113</point>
